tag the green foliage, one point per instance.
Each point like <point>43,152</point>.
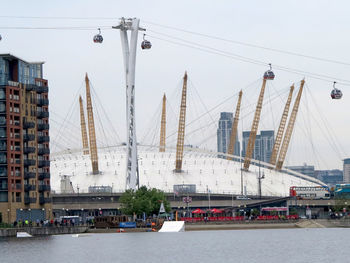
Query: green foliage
<point>254,212</point>
<point>143,200</point>
<point>340,203</point>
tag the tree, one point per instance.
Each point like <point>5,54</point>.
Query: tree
<point>142,201</point>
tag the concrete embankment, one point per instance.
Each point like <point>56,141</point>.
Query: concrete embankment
<point>43,231</point>
<point>240,226</point>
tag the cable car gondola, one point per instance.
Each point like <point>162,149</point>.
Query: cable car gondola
<point>269,74</point>
<point>98,38</point>
<point>145,43</point>
<point>336,93</point>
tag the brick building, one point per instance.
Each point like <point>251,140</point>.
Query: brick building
<point>24,141</point>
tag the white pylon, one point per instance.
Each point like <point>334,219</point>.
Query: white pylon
<point>129,54</point>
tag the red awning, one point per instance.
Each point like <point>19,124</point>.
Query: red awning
<point>216,211</point>
<point>198,211</point>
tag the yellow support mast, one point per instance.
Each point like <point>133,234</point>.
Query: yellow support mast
<point>181,129</point>
<point>290,128</point>
<point>255,125</point>
<point>91,125</point>
<point>83,128</point>
<point>280,131</point>
<point>231,146</point>
<point>163,127</point>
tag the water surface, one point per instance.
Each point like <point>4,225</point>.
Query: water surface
<point>268,245</point>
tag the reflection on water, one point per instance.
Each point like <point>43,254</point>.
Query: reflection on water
<point>280,245</point>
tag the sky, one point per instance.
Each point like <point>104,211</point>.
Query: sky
<point>316,28</point>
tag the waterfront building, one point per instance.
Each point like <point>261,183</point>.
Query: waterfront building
<point>346,171</point>
<point>24,141</point>
<point>224,133</point>
<point>308,170</point>
<point>263,145</point>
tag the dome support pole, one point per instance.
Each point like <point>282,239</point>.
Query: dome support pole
<point>163,127</point>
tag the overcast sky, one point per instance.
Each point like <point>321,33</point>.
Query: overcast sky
<point>315,28</point>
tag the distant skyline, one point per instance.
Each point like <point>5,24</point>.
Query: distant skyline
<point>315,28</point>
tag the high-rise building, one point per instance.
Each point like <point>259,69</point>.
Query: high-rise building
<point>346,171</point>
<point>24,141</point>
<point>263,145</point>
<point>224,133</point>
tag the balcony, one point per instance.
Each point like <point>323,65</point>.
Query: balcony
<point>31,87</point>
<point>43,138</point>
<point>28,137</point>
<point>44,187</point>
<point>16,123</point>
<point>42,114</point>
<point>29,187</point>
<point>28,125</point>
<point>27,150</point>
<point>29,162</point>
<point>43,163</point>
<point>42,102</point>
<point>3,187</point>
<point>29,175</point>
<point>28,200</point>
<point>44,200</point>
<point>44,175</point>
<point>17,161</point>
<point>18,186</point>
<point>18,199</point>
<point>42,151</point>
<point>40,89</point>
<point>43,126</point>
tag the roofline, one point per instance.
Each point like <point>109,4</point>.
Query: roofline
<point>13,56</point>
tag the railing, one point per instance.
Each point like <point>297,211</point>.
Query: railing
<point>43,126</point>
<point>28,137</point>
<point>29,162</point>
<point>42,163</point>
<point>42,102</point>
<point>29,187</point>
<point>43,138</point>
<point>28,200</point>
<point>42,114</point>
<point>28,124</point>
<point>44,187</point>
<point>43,151</point>
<point>44,175</point>
<point>27,150</point>
<point>18,186</point>
<point>41,89</point>
<point>28,175</point>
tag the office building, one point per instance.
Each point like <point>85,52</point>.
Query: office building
<point>346,171</point>
<point>330,177</point>
<point>24,141</point>
<point>263,145</point>
<point>224,133</point>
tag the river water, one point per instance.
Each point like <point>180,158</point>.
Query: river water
<point>268,245</point>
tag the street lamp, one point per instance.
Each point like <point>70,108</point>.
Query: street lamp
<point>8,215</point>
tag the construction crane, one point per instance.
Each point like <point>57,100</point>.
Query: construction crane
<point>290,127</point>
<point>91,125</point>
<point>83,128</point>
<point>181,129</point>
<point>252,135</point>
<point>280,131</point>
<point>163,126</point>
<point>234,127</point>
